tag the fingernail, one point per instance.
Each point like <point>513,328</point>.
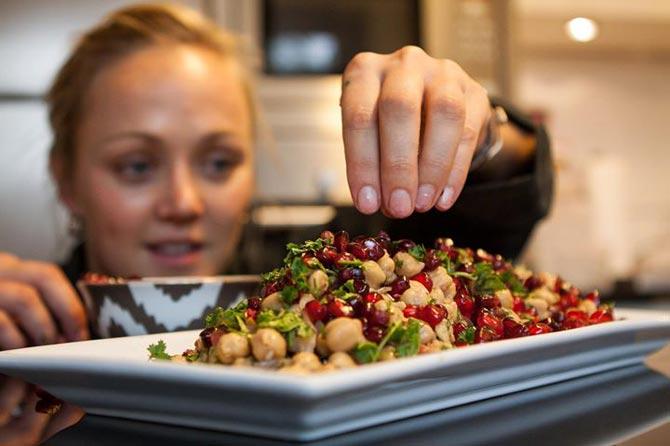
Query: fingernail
<point>400,203</point>
<point>424,197</point>
<point>446,198</point>
<point>367,200</point>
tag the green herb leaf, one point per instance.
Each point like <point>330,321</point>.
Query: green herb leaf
<point>284,321</point>
<point>191,355</point>
<point>446,261</point>
<point>365,352</point>
<point>418,252</point>
<point>273,275</point>
<point>408,339</point>
<point>289,294</point>
<point>296,250</point>
<point>300,273</point>
<point>513,283</point>
<point>355,263</point>
<point>229,317</point>
<point>467,336</point>
<point>215,317</point>
<point>157,350</point>
<point>486,280</point>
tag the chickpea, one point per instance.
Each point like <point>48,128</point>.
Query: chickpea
<point>317,282</point>
<point>387,265</point>
<point>243,362</point>
<point>540,305</point>
<point>374,274</point>
<point>387,353</point>
<point>416,294</point>
<point>303,344</point>
<point>343,334</point>
<point>588,307</point>
<point>441,279</point>
<point>273,302</point>
<point>426,333</point>
<point>444,332</point>
<point>452,311</point>
<point>506,298</point>
<point>546,294</point>
<point>406,265</point>
<point>437,295</point>
<point>230,347</point>
<point>548,279</point>
<point>321,345</point>
<point>268,344</point>
<point>341,360</point>
<point>307,360</point>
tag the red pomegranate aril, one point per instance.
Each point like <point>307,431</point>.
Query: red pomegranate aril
<point>357,251</point>
<point>489,301</point>
<point>593,296</point>
<point>384,241</point>
<point>399,286</point>
<point>341,240</point>
<point>486,319</point>
<point>425,280</point>
<point>250,313</point>
<point>361,286</point>
<point>576,314</point>
<point>558,284</point>
<point>316,310</point>
<point>378,317</point>
<point>328,236</point>
<point>538,328</point>
<point>533,282</point>
<point>270,287</point>
<point>359,306</point>
<point>210,336</point>
<point>466,268</point>
<point>374,333</point>
<point>254,303</point>
<point>350,274</point>
<point>404,245</point>
<point>465,303</point>
<point>570,323</point>
<point>411,311</point>
<point>518,305</point>
<point>485,334</point>
<point>327,256</point>
<point>432,314</point>
<point>499,264</point>
<point>568,301</point>
<point>600,316</point>
<point>338,308</point>
<point>514,329</point>
<point>459,327</point>
<point>431,261</point>
<point>372,297</point>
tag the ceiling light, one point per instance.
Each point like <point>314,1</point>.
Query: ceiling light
<point>581,29</point>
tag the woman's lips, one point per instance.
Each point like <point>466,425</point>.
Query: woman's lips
<point>176,254</point>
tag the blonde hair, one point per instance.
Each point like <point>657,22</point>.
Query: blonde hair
<point>119,34</point>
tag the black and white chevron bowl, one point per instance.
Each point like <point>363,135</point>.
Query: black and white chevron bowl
<point>138,307</point>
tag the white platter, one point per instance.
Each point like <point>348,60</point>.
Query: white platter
<point>113,377</point>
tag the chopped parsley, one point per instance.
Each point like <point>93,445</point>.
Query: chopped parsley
<point>284,321</point>
<point>273,275</point>
<point>157,350</point>
<point>296,250</point>
<point>408,339</point>
<point>467,336</point>
<point>365,352</point>
<point>346,291</point>
<point>513,283</point>
<point>231,318</point>
<point>355,263</point>
<point>487,281</point>
<point>418,252</point>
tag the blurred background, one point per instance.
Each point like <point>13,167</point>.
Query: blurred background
<point>596,73</point>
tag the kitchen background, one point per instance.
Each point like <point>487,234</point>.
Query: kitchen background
<point>601,87</point>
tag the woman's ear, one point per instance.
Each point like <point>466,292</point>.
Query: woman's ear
<point>64,183</point>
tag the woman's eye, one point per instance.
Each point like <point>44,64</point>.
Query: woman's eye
<point>217,167</point>
<point>135,171</point>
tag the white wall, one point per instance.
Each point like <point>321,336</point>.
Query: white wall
<point>609,122</point>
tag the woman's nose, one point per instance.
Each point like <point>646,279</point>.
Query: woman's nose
<point>181,200</point>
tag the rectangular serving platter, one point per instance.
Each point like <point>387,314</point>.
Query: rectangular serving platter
<point>113,377</point>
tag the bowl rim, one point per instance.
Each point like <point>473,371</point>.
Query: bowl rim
<point>176,280</point>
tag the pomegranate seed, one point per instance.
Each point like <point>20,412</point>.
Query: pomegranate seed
<point>373,297</point>
<point>489,301</point>
<point>465,303</point>
<point>251,313</point>
<point>378,317</point>
<point>513,329</point>
<point>600,316</point>
<point>254,303</point>
<point>210,336</point>
<point>357,251</point>
<point>384,241</point>
<point>486,319</point>
<point>361,286</point>
<point>328,236</point>
<point>404,245</point>
<point>374,333</point>
<point>316,311</point>
<point>570,323</point>
<point>399,286</point>
<point>519,306</point>
<point>338,308</point>
<point>341,240</point>
<point>411,311</point>
<point>459,327</point>
<point>593,296</point>
<point>327,256</point>
<point>485,334</point>
<point>350,274</point>
<point>576,314</point>
<point>270,287</point>
<point>466,268</point>
<point>483,256</point>
<point>499,264</point>
<point>533,282</point>
<point>558,285</point>
<point>538,328</point>
<point>425,280</point>
<point>431,261</point>
<point>432,314</point>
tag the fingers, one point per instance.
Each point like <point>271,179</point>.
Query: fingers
<point>28,427</point>
<point>478,112</point>
<point>444,117</point>
<point>10,335</point>
<point>53,288</point>
<point>22,304</point>
<point>360,91</point>
<point>400,102</point>
<point>67,416</point>
<point>12,392</point>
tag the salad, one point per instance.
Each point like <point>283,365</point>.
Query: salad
<point>338,302</point>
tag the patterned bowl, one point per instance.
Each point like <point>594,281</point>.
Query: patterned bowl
<point>157,305</point>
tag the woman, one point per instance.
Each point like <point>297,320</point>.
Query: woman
<point>153,123</point>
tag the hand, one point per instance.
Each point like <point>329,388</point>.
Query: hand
<point>21,423</point>
<point>37,305</point>
<point>410,125</point>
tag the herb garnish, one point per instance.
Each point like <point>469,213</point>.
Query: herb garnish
<point>157,350</point>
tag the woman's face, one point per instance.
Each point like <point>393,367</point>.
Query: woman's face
<point>163,169</point>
